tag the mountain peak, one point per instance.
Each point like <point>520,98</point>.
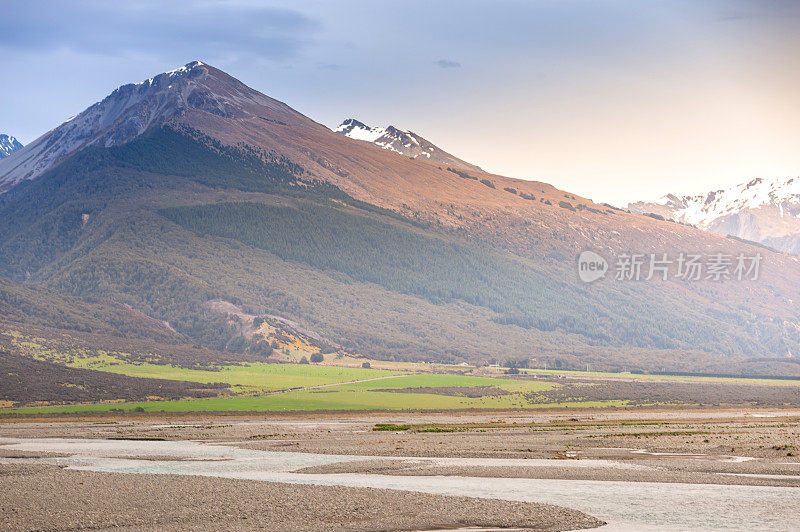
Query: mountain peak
<point>134,108</point>
<point>8,144</point>
<point>207,99</point>
<point>404,142</point>
<point>356,129</point>
<point>193,69</point>
<point>190,65</point>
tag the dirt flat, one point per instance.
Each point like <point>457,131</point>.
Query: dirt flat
<point>725,446</point>
<point>41,497</point>
<point>767,434</point>
<point>655,472</point>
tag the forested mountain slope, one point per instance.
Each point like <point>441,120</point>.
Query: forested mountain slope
<point>233,196</point>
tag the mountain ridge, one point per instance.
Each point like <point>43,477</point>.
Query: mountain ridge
<point>761,210</point>
<point>130,110</point>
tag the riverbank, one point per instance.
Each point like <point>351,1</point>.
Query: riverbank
<point>46,497</point>
<point>632,468</point>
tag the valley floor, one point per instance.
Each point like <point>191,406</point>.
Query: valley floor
<point>639,468</point>
<point>47,497</point>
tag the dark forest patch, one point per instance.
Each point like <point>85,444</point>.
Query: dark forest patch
<point>696,393</point>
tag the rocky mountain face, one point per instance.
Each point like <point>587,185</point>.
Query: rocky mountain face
<point>761,210</point>
<point>8,144</point>
<point>191,187</point>
<point>131,110</point>
<point>401,141</point>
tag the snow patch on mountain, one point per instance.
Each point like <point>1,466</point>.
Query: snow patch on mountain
<point>704,209</point>
<point>764,210</point>
<point>360,131</point>
<point>8,144</point>
<point>389,138</point>
<point>400,141</point>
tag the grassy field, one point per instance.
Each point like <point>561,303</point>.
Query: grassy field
<point>439,392</point>
<point>243,378</point>
<point>495,371</point>
<point>387,386</point>
<point>279,387</point>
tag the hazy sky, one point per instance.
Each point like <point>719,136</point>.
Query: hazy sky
<point>615,100</point>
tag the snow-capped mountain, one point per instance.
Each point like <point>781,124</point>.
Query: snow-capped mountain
<point>501,249</point>
<point>8,144</point>
<point>400,141</point>
<point>762,210</point>
<point>132,109</point>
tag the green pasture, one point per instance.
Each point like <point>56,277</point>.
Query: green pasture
<point>357,396</point>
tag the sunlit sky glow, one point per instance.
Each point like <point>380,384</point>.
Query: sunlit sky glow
<point>614,100</point>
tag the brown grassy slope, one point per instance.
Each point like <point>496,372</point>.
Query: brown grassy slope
<point>549,234</point>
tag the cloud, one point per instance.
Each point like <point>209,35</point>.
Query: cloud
<point>155,29</point>
<point>447,63</point>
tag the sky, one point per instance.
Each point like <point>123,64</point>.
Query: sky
<point>613,100</point>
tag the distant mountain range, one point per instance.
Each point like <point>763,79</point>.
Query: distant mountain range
<point>8,144</point>
<point>400,141</point>
<point>173,199</point>
<point>762,210</point>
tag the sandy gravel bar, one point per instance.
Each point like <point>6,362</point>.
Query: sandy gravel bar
<point>663,471</point>
<point>46,497</point>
